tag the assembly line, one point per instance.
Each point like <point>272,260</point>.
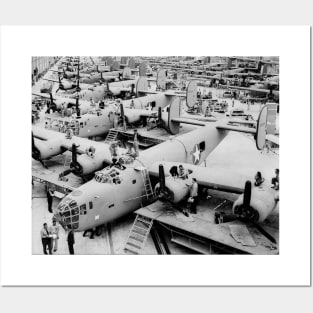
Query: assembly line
<point>156,155</point>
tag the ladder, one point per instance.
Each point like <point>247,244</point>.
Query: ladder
<point>111,136</point>
<point>148,191</point>
<point>67,161</point>
<point>138,234</point>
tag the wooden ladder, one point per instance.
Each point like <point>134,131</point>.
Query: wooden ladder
<point>138,234</point>
<point>111,136</point>
<point>148,191</point>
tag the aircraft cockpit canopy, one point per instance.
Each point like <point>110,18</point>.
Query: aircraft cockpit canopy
<point>112,176</point>
<point>69,213</point>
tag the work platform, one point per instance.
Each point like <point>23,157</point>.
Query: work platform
<point>50,176</point>
<point>199,233</point>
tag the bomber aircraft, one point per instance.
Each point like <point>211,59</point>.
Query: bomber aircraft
<point>122,187</point>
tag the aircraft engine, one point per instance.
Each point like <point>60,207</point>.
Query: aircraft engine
<point>175,189</point>
<point>170,188</point>
<point>255,204</point>
<point>48,148</point>
<point>86,164</point>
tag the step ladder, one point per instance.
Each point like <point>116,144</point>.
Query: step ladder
<point>67,161</point>
<point>138,234</point>
<point>111,136</point>
<point>148,191</point>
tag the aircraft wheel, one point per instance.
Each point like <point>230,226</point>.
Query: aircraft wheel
<point>99,230</point>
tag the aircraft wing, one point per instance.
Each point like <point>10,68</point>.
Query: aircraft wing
<point>42,95</point>
<point>185,120</point>
<point>148,91</point>
<point>250,89</point>
<point>247,130</point>
<point>243,122</point>
<point>51,80</point>
<point>272,138</point>
<point>102,150</point>
<point>217,179</point>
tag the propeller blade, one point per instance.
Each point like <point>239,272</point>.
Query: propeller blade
<point>36,152</point>
<point>132,89</point>
<point>161,178</point>
<point>247,194</point>
<point>77,107</point>
<point>159,115</point>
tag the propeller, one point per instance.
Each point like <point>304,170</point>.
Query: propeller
<point>52,104</point>
<point>245,211</point>
<point>77,107</point>
<point>108,92</point>
<point>36,152</point>
<point>161,178</point>
<point>61,86</point>
<point>102,81</point>
<point>132,92</point>
<point>162,191</point>
<point>78,89</point>
<point>75,167</point>
<point>122,116</point>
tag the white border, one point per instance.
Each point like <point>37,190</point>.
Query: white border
<point>19,267</point>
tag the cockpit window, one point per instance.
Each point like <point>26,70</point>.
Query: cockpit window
<point>69,213</point>
<point>83,209</point>
<point>112,176</point>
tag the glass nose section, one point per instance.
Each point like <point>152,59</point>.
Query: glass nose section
<point>68,214</point>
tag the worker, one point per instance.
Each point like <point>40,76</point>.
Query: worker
<point>174,171</point>
<point>46,239</point>
<point>69,133</point>
<point>258,179</point>
<point>55,234</point>
<point>91,151</point>
<point>132,103</point>
<point>275,180</point>
<point>182,172</point>
<point>194,196</point>
<point>71,241</point>
<point>91,231</point>
<point>50,195</point>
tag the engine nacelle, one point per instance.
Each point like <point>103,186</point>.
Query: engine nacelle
<point>262,204</point>
<point>176,189</point>
<point>89,164</point>
<point>48,148</point>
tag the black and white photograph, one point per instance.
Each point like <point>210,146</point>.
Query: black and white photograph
<point>155,155</point>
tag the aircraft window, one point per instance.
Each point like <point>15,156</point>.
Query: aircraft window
<point>66,213</point>
<point>90,205</point>
<point>83,209</point>
<point>81,125</point>
<point>73,204</point>
<point>111,205</point>
<point>67,220</point>
<point>74,226</point>
<point>75,218</point>
<point>75,211</point>
<point>202,145</point>
<point>134,181</point>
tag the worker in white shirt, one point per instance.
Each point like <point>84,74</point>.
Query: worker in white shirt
<point>194,196</point>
